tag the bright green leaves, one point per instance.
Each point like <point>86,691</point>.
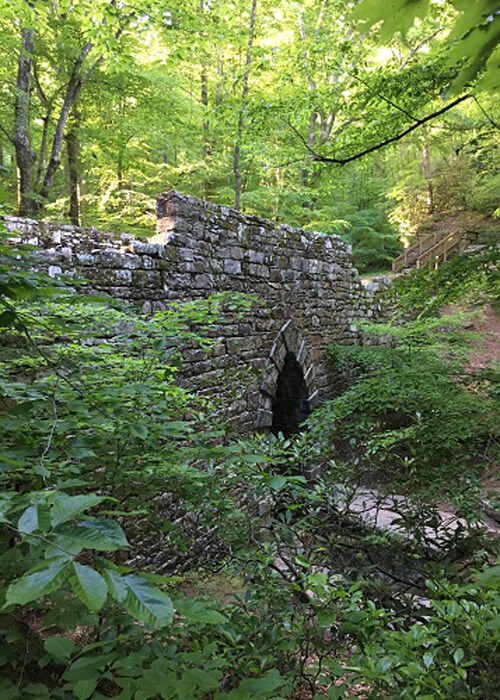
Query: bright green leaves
<point>89,586</point>
<point>56,527</point>
<point>396,15</point>
<point>41,580</point>
<point>476,34</point>
<point>140,598</point>
<point>116,585</point>
<point>472,45</point>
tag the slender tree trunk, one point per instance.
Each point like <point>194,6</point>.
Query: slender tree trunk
<point>72,91</point>
<point>241,117</point>
<point>219,92</point>
<point>119,171</point>
<point>207,183</point>
<point>204,102</point>
<point>25,157</point>
<point>205,147</point>
<point>73,154</point>
<point>311,137</point>
<point>43,146</point>
<point>55,156</point>
<point>426,161</point>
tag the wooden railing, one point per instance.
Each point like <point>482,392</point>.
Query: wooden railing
<point>432,249</point>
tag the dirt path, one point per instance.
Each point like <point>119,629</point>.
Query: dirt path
<point>486,349</point>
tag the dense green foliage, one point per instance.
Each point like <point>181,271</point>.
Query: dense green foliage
<point>159,101</point>
<point>473,44</point>
<point>473,278</point>
<point>145,550</point>
<point>146,553</point>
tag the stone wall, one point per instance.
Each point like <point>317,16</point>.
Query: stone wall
<point>311,291</point>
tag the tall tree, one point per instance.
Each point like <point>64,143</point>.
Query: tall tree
<point>24,154</point>
<point>243,107</point>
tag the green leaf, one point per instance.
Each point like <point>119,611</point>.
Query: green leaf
<point>428,660</point>
<point>101,535</point>
<point>116,585</point>
<point>267,684</point>
<point>7,318</point>
<point>276,482</point>
<point>88,668</point>
<point>84,689</point>
<point>34,518</point>
<point>39,690</point>
<point>147,603</point>
<point>139,431</point>
<point>68,507</point>
<point>337,692</point>
<point>89,586</point>
<point>5,508</point>
<point>59,647</point>
<point>397,15</point>
<point>302,561</point>
<point>195,611</point>
<point>458,655</point>
<point>197,679</point>
<point>35,584</point>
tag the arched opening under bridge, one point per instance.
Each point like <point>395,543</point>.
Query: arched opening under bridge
<point>290,406</point>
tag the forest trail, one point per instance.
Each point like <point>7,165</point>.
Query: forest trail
<point>484,351</point>
<point>484,348</point>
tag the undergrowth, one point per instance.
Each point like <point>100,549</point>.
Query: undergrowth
<point>121,491</point>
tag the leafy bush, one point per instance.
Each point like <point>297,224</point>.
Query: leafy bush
<point>425,292</point>
<point>406,419</point>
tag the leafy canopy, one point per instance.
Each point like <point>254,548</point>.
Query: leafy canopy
<point>472,46</point>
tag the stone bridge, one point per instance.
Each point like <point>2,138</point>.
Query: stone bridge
<point>311,293</point>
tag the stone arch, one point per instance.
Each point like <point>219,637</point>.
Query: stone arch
<point>289,343</point>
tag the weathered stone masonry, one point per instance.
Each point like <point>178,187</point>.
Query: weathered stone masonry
<point>311,290</point>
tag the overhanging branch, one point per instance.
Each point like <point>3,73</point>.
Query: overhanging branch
<point>386,142</point>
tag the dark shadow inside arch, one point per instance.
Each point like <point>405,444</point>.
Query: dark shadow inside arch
<point>290,405</point>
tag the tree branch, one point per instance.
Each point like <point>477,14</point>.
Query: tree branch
<point>385,142</point>
<point>9,136</point>
<point>38,85</point>
<point>488,117</point>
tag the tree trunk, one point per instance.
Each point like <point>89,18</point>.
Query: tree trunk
<point>25,157</point>
<point>426,161</point>
<point>241,117</point>
<point>311,137</point>
<point>55,156</point>
<point>73,154</point>
<point>43,146</point>
<point>72,91</point>
<point>207,182</point>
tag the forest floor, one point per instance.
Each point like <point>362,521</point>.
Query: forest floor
<point>484,351</point>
